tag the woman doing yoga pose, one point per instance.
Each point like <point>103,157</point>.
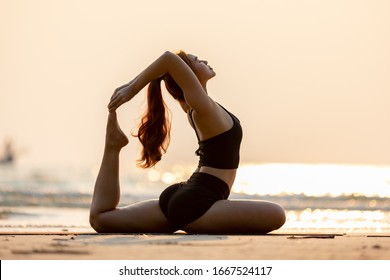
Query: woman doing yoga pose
<point>200,204</point>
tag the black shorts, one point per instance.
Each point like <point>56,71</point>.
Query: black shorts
<point>184,202</point>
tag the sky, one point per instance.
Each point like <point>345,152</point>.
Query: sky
<point>308,79</point>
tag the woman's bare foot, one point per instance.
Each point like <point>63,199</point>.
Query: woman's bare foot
<point>115,138</point>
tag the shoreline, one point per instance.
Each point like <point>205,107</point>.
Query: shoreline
<point>55,219</point>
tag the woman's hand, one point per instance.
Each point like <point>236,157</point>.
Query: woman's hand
<point>121,95</point>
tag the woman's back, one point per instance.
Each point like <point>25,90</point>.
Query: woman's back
<point>219,146</point>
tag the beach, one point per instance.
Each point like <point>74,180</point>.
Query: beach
<point>279,245</point>
<point>44,215</point>
<point>283,244</point>
<point>44,218</point>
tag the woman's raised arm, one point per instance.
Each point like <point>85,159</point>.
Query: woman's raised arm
<point>170,63</point>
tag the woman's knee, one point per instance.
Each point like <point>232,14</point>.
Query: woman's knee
<point>98,223</point>
<point>94,222</point>
<point>279,216</point>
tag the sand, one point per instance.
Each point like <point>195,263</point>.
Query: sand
<point>280,245</point>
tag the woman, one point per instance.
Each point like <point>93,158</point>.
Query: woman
<point>200,204</point>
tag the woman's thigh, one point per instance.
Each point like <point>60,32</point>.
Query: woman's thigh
<point>239,216</point>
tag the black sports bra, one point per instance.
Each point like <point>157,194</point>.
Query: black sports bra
<point>223,150</point>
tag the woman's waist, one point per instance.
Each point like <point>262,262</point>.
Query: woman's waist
<point>226,175</point>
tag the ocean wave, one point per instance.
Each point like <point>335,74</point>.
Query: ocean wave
<point>12,198</point>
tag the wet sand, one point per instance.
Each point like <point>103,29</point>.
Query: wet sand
<point>280,245</point>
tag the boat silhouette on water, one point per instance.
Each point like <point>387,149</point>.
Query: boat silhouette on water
<point>8,156</point>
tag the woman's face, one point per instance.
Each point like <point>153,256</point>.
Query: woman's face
<point>201,68</point>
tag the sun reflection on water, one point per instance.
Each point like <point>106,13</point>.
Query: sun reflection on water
<point>348,220</point>
<point>313,179</point>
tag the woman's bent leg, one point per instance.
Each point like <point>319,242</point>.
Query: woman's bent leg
<point>142,217</point>
<point>239,216</point>
<point>104,214</point>
<point>107,190</point>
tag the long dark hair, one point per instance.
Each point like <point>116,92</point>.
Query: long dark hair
<point>154,129</point>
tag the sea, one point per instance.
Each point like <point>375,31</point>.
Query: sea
<point>317,197</point>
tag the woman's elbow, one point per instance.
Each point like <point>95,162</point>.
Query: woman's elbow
<point>167,55</point>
